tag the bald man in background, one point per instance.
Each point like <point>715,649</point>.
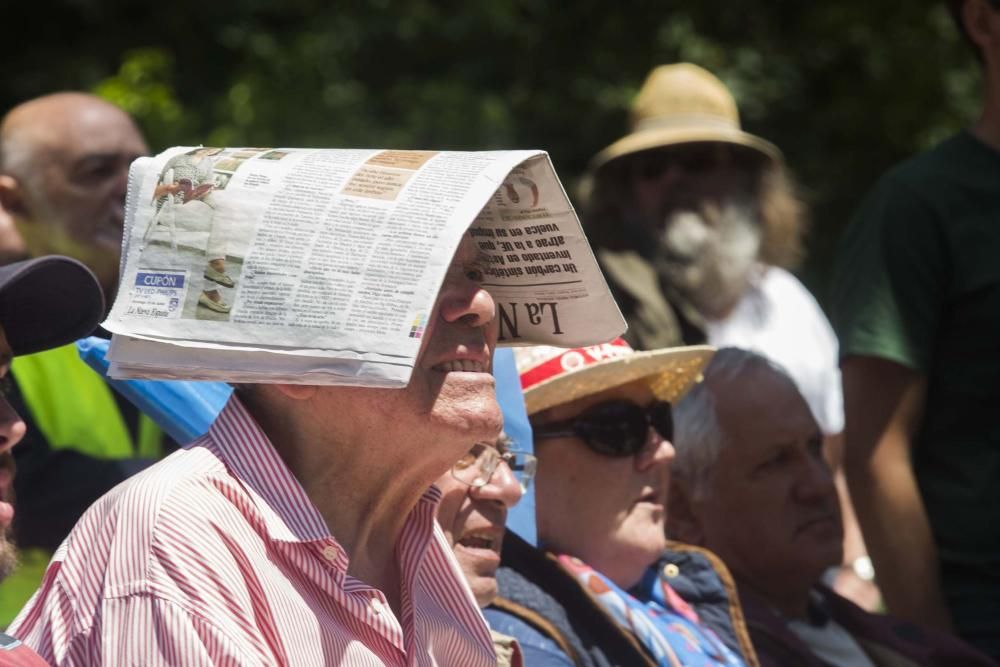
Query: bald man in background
<point>64,162</point>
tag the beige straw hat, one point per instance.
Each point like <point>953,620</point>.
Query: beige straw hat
<point>679,104</point>
<point>554,375</point>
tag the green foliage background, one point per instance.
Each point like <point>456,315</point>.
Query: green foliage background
<point>845,88</point>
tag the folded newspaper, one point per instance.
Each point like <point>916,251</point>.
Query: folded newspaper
<point>322,266</point>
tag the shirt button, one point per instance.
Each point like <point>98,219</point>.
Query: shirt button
<point>330,553</point>
<point>377,606</point>
<point>670,570</point>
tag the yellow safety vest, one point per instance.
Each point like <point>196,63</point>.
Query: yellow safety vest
<point>74,408</point>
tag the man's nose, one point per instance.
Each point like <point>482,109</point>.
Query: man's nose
<point>503,487</point>
<point>815,482</point>
<point>467,302</point>
<point>657,451</point>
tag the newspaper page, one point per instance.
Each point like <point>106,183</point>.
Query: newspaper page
<point>323,265</point>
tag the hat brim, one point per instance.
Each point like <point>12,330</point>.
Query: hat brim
<point>671,372</point>
<point>48,302</point>
<point>645,140</point>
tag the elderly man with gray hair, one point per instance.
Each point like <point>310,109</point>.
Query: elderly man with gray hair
<point>750,483</point>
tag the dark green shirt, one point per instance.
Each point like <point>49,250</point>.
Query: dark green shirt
<point>918,283</point>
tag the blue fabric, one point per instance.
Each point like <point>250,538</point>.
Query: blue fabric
<point>521,518</point>
<point>183,409</point>
<point>660,620</point>
<point>537,649</point>
<point>698,583</point>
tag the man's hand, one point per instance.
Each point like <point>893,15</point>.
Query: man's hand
<point>883,406</point>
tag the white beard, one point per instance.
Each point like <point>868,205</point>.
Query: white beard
<point>709,254</point>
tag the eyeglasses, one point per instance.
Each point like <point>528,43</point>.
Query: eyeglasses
<point>614,428</point>
<point>476,468</point>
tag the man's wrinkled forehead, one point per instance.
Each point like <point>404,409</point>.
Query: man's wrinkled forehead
<point>739,411</point>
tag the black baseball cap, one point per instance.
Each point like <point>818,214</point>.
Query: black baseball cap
<point>48,302</point>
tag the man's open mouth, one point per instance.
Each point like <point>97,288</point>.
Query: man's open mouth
<point>480,541</point>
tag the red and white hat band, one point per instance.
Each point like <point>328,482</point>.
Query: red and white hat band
<point>541,363</point>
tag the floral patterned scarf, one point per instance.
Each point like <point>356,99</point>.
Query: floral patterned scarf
<point>665,625</point>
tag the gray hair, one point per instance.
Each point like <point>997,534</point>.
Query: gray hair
<point>698,435</point>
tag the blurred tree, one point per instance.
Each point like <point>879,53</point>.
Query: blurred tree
<point>845,88</point>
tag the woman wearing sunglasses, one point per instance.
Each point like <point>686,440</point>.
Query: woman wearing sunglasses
<point>604,587</point>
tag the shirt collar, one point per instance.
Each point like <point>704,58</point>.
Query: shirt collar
<point>289,514</point>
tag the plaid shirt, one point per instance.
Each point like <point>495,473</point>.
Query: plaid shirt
<point>217,556</point>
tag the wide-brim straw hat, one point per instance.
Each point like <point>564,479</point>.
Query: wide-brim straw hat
<point>680,104</point>
<point>553,376</point>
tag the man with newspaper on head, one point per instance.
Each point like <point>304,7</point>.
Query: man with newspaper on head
<point>300,529</point>
<point>226,550</point>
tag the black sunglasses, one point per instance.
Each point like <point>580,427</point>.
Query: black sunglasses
<point>614,428</point>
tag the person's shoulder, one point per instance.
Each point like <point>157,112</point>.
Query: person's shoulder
<point>690,560</point>
<point>905,212</point>
<point>909,190</point>
<point>923,645</point>
<point>528,574</point>
<point>523,586</point>
<point>798,304</point>
<point>42,367</point>
<point>526,611</point>
<point>781,285</point>
<point>534,589</point>
<point>930,167</point>
<point>699,579</point>
<point>180,477</point>
<point>186,479</point>
<point>537,648</point>
<point>115,546</point>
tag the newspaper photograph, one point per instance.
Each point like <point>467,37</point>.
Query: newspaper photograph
<point>323,265</point>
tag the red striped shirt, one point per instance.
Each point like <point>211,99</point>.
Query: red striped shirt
<point>216,556</point>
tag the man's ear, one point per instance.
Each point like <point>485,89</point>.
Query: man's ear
<point>12,196</point>
<point>683,523</point>
<point>976,16</point>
